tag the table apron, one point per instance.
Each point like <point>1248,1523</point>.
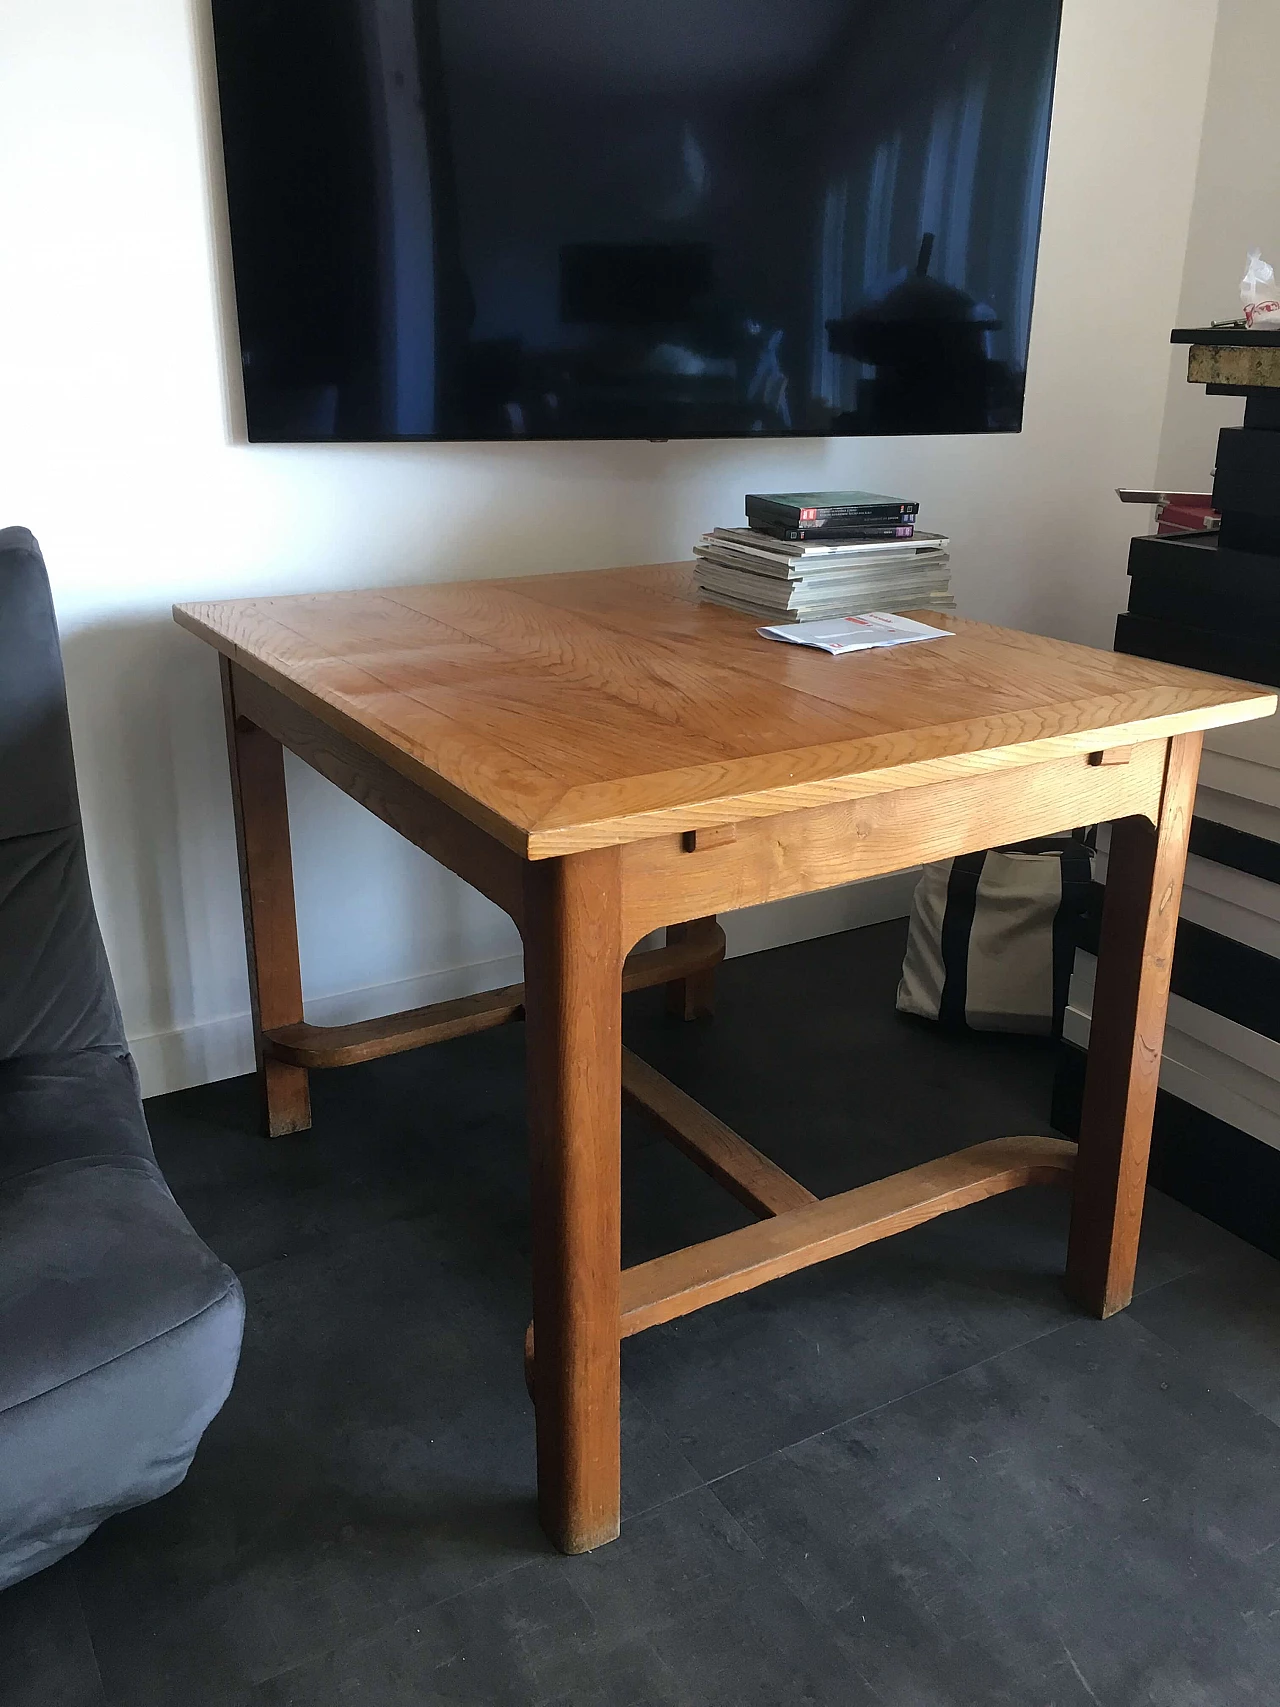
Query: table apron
<point>821,847</point>
<point>669,878</point>
<point>429,823</point>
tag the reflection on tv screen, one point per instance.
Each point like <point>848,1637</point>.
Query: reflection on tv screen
<point>548,219</point>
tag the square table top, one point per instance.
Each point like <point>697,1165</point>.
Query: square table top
<point>571,711</point>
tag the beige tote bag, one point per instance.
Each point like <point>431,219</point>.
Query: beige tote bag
<point>993,936</point>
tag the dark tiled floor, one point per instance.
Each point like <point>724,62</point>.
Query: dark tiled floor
<point>914,1476</point>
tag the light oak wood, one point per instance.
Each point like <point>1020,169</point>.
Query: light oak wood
<point>698,841</point>
<point>693,996</point>
<point>319,1046</point>
<point>573,987</point>
<point>699,1275</point>
<point>796,853</point>
<point>429,823</point>
<point>817,1229</point>
<point>270,925</point>
<point>1131,995</point>
<point>603,756</point>
<point>718,1150</point>
<point>566,712</point>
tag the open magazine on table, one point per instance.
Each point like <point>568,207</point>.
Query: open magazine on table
<point>855,633</point>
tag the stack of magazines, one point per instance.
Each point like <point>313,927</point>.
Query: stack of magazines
<point>819,554</point>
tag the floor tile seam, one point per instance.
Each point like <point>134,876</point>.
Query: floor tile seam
<point>363,1640</point>
<point>978,1363</point>
<point>367,1639</point>
<point>1196,1268</point>
<point>713,1482</point>
<point>898,1399</point>
<point>664,1502</point>
<point>1144,1292</point>
<point>1224,1260</point>
<point>680,1493</point>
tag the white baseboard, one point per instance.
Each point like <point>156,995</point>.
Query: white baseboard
<point>223,1048</point>
<point>803,917</point>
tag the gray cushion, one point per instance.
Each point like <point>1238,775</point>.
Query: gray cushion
<point>119,1328</point>
<point>55,986</point>
<point>120,1432</point>
<point>95,1255</point>
<point>62,1108</point>
<point>39,790</point>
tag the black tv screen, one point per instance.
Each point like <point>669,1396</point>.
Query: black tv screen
<point>582,219</point>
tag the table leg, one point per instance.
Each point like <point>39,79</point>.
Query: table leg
<point>693,997</point>
<point>270,924</point>
<point>573,998</point>
<point>1139,923</point>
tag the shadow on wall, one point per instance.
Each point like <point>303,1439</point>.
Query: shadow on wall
<point>140,716</point>
<point>373,911</point>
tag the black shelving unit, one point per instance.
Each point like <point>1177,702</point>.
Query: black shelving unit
<point>1211,601</point>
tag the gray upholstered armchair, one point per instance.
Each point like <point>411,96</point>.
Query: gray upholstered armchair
<point>119,1329</point>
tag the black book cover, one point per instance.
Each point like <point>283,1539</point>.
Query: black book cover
<point>1201,561</point>
<point>833,532</point>
<point>1221,654</point>
<point>1250,535</point>
<point>805,509</point>
<point>897,517</point>
<point>1232,337</point>
<point>1247,477</point>
<point>1183,598</point>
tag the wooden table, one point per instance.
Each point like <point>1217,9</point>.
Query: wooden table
<point>602,757</point>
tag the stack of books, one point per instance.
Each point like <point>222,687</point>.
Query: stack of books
<point>819,554</point>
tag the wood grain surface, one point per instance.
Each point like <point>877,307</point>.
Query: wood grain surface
<point>671,1286</point>
<point>567,712</point>
<point>602,755</point>
<point>1126,1038</point>
<point>318,1046</point>
<point>261,811</point>
<point>573,1051</point>
<point>694,996</point>
<point>798,853</point>
<point>717,1149</point>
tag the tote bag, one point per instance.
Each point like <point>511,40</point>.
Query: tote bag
<point>993,935</point>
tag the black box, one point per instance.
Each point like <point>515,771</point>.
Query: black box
<point>1256,660</point>
<point>1248,473</point>
<point>1201,562</point>
<point>1249,534</point>
<point>1161,596</point>
<point>1246,489</point>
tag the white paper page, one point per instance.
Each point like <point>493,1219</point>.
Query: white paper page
<point>855,633</point>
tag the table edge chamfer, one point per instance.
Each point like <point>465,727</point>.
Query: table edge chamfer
<point>566,829</point>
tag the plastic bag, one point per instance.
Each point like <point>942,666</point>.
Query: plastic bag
<point>1259,293</point>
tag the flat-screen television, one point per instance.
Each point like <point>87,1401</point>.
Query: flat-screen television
<point>609,219</point>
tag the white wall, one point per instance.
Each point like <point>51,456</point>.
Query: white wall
<point>1236,208</point>
<point>119,445</point>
